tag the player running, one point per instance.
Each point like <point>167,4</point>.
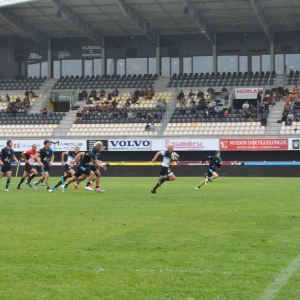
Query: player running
<point>7,154</point>
<point>46,156</point>
<point>69,171</point>
<point>30,157</point>
<point>165,172</point>
<point>88,166</point>
<point>214,163</point>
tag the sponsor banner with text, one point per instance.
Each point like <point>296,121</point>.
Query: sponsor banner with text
<point>247,93</point>
<point>129,145</point>
<point>254,144</point>
<point>90,144</point>
<point>186,145</point>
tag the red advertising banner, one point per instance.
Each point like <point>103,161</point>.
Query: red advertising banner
<point>254,144</point>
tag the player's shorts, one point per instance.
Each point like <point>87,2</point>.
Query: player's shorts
<point>67,168</point>
<point>82,170</point>
<point>45,169</point>
<point>4,168</point>
<point>165,171</point>
<point>28,167</point>
<point>94,169</point>
<point>209,172</point>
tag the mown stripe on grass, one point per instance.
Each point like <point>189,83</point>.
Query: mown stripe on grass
<point>281,280</point>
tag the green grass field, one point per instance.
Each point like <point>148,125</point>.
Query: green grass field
<point>236,238</point>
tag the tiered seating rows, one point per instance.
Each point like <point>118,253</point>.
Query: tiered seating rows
<point>13,130</point>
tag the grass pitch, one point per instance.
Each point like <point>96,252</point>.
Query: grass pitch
<point>235,238</point>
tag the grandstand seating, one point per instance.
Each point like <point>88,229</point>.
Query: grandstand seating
<point>21,84</point>
<point>220,79</point>
<point>106,82</point>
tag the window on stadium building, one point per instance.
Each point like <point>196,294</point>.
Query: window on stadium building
<point>292,62</point>
<point>266,62</point>
<point>175,65</point>
<point>121,67</point>
<point>97,67</point>
<point>243,64</point>
<point>279,63</point>
<point>44,68</point>
<point>110,66</point>
<point>187,65</point>
<point>34,70</point>
<point>165,66</point>
<point>56,69</point>
<point>72,67</point>
<point>88,67</point>
<point>202,64</point>
<point>227,63</point>
<point>255,63</point>
<point>136,66</point>
<point>152,65</point>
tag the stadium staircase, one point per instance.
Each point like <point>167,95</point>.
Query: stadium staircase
<point>275,114</point>
<point>161,84</point>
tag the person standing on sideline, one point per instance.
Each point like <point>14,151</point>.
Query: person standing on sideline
<point>214,163</point>
<point>46,156</point>
<point>165,172</point>
<point>30,157</point>
<point>7,154</point>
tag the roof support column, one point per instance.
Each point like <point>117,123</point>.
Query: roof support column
<point>103,61</point>
<point>272,57</point>
<point>49,56</point>
<point>214,59</point>
<point>158,60</point>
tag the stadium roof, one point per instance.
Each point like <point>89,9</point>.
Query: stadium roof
<point>96,19</point>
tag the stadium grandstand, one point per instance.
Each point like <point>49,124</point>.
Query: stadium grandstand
<point>90,68</point>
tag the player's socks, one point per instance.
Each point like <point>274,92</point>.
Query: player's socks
<point>58,184</point>
<point>198,186</point>
<point>36,182</point>
<point>77,182</point>
<point>30,178</point>
<point>65,186</point>
<point>7,183</point>
<point>87,184</point>
<point>21,181</point>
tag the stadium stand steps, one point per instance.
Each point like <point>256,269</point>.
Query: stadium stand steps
<point>275,114</point>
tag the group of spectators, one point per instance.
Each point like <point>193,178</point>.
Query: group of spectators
<point>250,112</point>
<point>17,107</point>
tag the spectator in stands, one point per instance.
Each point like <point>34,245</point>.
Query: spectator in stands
<point>147,127</point>
<point>129,114</point>
<point>283,118</point>
<point>150,93</point>
<point>127,103</point>
<point>192,103</point>
<point>102,93</point>
<point>158,103</point>
<point>224,91</point>
<point>258,98</point>
<point>159,115</point>
<point>142,92</point>
<point>180,95</point>
<point>218,111</point>
<point>136,93</point>
<point>200,94</point>
<point>290,116</point>
<point>115,114</point>
<point>182,102</point>
<point>261,108</point>
<point>87,115</point>
<point>123,115</point>
<point>115,103</point>
<point>93,94</point>
<point>295,89</point>
<point>115,93</point>
<point>9,112</point>
<point>296,104</point>
<point>277,96</point>
<point>84,95</point>
<point>164,103</point>
<point>202,104</point>
<point>44,111</point>
<point>245,105</point>
<point>89,101</point>
<point>26,93</point>
<point>252,108</point>
<point>78,115</point>
<point>49,112</point>
<point>31,94</point>
<point>249,116</point>
<point>18,100</point>
<point>211,92</point>
<point>287,105</point>
<point>191,94</point>
<point>6,98</point>
<point>85,109</point>
<point>143,114</point>
<point>211,111</point>
<point>263,120</point>
<point>152,126</point>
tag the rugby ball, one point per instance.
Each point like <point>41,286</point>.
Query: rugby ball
<point>173,156</point>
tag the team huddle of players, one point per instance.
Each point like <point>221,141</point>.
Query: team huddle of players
<point>88,166</point>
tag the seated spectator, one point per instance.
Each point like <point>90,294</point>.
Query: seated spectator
<point>147,127</point>
<point>115,114</point>
<point>115,103</point>
<point>159,115</point>
<point>85,110</point>
<point>252,108</point>
<point>139,114</point>
<point>245,105</point>
<point>283,118</point>
<point>93,94</point>
<point>27,93</point>
<point>127,103</point>
<point>261,108</point>
<point>297,104</point>
<point>287,105</point>
<point>115,93</point>
<point>191,94</point>
<point>143,114</point>
<point>6,98</point>
<point>193,111</point>
<point>263,121</point>
<point>102,93</point>
<point>277,96</point>
<point>133,117</point>
<point>224,91</point>
<point>78,115</point>
<point>158,103</point>
<point>84,95</point>
<point>129,114</point>
<point>149,115</point>
<point>295,89</point>
<point>136,93</point>
<point>123,114</point>
<point>200,94</point>
<point>211,92</point>
<point>44,111</point>
<point>180,95</point>
<point>211,111</point>
<point>150,93</point>
<point>290,116</point>
<point>87,115</point>
<point>152,126</point>
<point>192,103</point>
<point>142,92</point>
<point>164,103</point>
<point>182,101</point>
<point>49,112</point>
<point>202,104</point>
<point>18,100</point>
<point>218,111</point>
